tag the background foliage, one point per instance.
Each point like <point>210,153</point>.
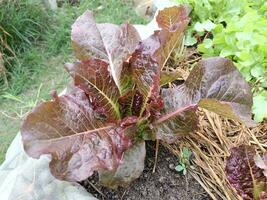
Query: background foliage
<point>236,29</point>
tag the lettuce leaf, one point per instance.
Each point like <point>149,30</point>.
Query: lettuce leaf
<point>109,42</point>
<point>244,175</point>
<point>117,101</point>
<point>131,168</point>
<point>93,77</point>
<point>146,76</point>
<point>152,53</point>
<point>79,144</point>
<point>214,84</point>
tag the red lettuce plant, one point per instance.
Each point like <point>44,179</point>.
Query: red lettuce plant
<point>247,172</point>
<point>117,102</point>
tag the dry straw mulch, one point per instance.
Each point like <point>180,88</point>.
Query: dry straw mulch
<point>211,146</point>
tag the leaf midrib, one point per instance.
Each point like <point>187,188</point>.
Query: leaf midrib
<point>114,105</point>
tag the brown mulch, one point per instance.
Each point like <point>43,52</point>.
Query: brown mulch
<point>211,146</point>
<point>212,143</point>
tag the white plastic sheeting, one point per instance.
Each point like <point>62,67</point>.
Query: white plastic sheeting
<point>24,178</point>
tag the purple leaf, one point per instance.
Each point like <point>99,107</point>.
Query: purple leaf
<point>93,77</point>
<point>146,74</point>
<point>172,126</point>
<point>131,168</point>
<point>214,84</point>
<point>152,54</point>
<point>78,143</point>
<point>261,162</point>
<point>173,21</point>
<point>244,175</point>
<point>109,42</point>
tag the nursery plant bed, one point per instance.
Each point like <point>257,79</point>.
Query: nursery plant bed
<point>165,183</point>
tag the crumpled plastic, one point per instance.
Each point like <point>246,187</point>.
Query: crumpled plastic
<point>25,178</point>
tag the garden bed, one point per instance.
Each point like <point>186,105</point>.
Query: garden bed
<point>165,183</point>
<point>94,129</point>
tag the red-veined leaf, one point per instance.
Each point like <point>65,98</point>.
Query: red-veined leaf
<point>244,175</point>
<point>214,84</point>
<point>93,77</point>
<point>109,42</point>
<point>79,144</point>
<point>152,53</point>
<point>146,76</point>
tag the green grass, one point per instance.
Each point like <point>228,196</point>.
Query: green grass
<point>39,69</point>
<point>22,24</point>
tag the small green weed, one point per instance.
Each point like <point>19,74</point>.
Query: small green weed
<point>184,160</point>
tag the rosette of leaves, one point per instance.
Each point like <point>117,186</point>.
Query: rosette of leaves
<point>117,103</point>
<point>247,172</point>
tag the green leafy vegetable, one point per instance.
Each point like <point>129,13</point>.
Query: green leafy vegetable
<point>260,106</point>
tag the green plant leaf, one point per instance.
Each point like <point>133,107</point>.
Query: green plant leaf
<point>260,106</point>
<point>190,40</point>
<point>204,26</point>
<point>187,153</point>
<point>179,168</point>
<point>257,71</point>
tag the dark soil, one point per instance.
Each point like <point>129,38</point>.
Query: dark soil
<point>165,183</point>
